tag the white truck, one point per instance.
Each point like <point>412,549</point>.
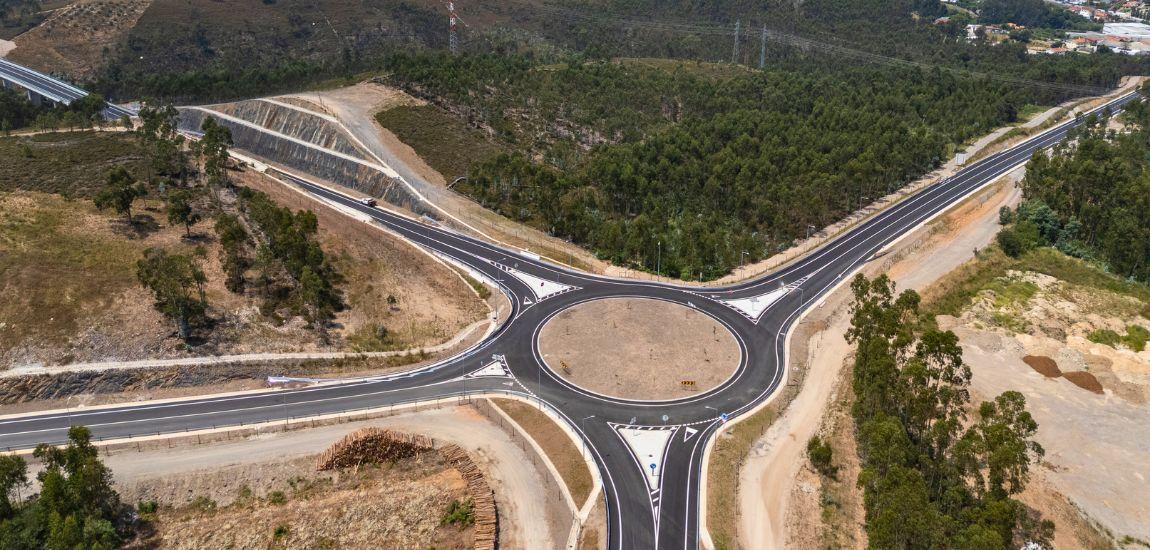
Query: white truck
<point>368,201</point>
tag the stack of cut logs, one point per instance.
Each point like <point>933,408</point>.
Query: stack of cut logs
<point>486,521</point>
<point>372,446</point>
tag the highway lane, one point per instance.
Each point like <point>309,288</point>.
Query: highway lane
<point>52,88</point>
<point>644,511</point>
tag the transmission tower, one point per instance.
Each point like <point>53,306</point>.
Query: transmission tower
<point>453,37</point>
<point>735,54</point>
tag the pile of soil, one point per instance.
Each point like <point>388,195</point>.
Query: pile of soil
<point>1084,380</point>
<point>1043,365</point>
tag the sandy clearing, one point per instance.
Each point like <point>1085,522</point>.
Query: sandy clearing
<point>518,486</point>
<point>766,479</point>
<point>612,347</point>
<point>6,46</point>
<point>1097,446</point>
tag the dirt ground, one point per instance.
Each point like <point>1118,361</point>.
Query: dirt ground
<point>925,255</point>
<point>73,39</point>
<point>96,310</point>
<point>394,505</point>
<point>611,347</point>
<point>1097,446</point>
<point>274,461</point>
<point>1082,431</point>
<point>433,302</point>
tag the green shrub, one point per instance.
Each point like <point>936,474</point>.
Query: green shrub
<point>1136,337</point>
<point>1104,336</point>
<point>147,507</point>
<point>203,504</point>
<point>277,498</point>
<point>459,513</point>
<point>821,456</point>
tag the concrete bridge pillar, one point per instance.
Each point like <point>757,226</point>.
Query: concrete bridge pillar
<point>35,98</point>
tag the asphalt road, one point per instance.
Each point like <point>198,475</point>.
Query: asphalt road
<point>52,88</point>
<point>647,508</point>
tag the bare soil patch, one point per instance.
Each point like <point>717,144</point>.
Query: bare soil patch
<point>75,39</point>
<point>612,347</point>
<point>433,303</point>
<point>1084,380</point>
<point>1043,365</point>
<point>290,505</point>
<point>554,441</point>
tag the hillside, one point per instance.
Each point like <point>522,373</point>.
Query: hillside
<point>69,271</point>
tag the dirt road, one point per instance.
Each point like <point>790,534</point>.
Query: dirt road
<point>525,508</point>
<point>765,481</point>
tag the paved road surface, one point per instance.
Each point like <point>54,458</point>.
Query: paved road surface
<point>652,486</point>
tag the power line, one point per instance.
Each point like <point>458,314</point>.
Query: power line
<point>825,45</point>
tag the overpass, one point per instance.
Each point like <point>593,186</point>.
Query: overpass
<point>41,87</point>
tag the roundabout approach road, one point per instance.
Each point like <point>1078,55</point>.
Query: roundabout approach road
<point>649,454</point>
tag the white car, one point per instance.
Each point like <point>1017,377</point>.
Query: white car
<point>368,201</point>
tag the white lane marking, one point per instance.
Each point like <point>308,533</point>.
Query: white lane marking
<point>497,368</point>
<point>542,288</point>
<point>648,445</point>
<point>754,306</point>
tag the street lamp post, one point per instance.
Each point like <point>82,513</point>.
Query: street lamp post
<point>583,423</point>
<point>659,260</point>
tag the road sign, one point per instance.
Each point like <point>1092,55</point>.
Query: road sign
<point>652,466</point>
<point>724,417</point>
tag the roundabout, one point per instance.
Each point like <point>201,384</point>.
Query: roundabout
<point>640,349</point>
<point>628,345</point>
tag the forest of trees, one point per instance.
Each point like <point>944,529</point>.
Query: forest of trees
<point>1090,197</point>
<point>1032,13</point>
<point>713,164</point>
<point>709,162</point>
<point>934,475</point>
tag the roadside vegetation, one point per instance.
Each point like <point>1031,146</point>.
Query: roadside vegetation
<point>446,143</point>
<point>140,244</point>
<point>936,471</point>
<point>76,506</point>
<point>1088,198</point>
<point>17,113</point>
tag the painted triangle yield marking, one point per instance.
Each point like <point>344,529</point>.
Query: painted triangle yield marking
<point>688,433</point>
<point>648,447</point>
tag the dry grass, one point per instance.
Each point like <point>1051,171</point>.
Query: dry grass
<point>62,265</point>
<point>70,163</point>
<point>70,294</point>
<point>287,505</point>
<point>727,458</point>
<point>74,39</point>
<point>431,305</point>
<point>554,441</point>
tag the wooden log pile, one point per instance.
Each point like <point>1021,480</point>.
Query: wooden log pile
<point>372,446</point>
<point>486,534</point>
